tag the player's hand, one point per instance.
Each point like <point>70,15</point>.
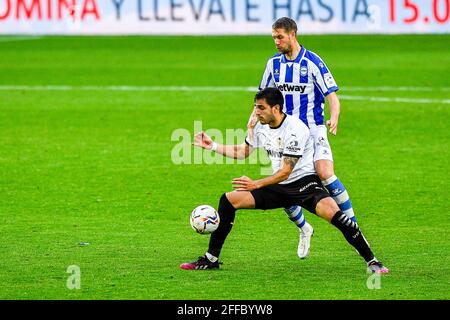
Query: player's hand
<point>332,124</point>
<point>252,120</point>
<point>202,140</point>
<point>251,125</point>
<point>244,184</point>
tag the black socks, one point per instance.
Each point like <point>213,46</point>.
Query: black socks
<point>226,213</point>
<point>353,234</point>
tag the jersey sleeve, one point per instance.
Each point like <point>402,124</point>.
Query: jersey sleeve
<point>295,142</point>
<point>322,76</point>
<point>252,137</point>
<point>267,78</point>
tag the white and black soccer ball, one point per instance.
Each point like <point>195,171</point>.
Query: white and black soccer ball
<point>204,219</point>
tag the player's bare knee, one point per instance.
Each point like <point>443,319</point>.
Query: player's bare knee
<point>232,199</point>
<point>324,175</point>
<point>240,199</point>
<point>324,169</point>
<point>327,208</point>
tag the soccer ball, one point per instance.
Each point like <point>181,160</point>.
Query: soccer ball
<point>204,219</point>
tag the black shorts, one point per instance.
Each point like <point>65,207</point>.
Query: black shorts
<point>305,192</point>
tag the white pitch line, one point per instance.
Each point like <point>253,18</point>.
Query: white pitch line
<point>226,89</point>
<point>403,88</point>
<point>123,88</point>
<point>395,99</point>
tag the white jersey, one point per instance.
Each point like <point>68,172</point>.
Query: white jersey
<point>291,138</point>
<point>304,83</point>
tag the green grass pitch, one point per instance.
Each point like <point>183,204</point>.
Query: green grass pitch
<point>95,166</point>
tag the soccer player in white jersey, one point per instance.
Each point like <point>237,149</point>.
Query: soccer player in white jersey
<point>305,82</point>
<point>294,181</point>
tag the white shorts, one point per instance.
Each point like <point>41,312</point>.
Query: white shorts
<point>322,149</point>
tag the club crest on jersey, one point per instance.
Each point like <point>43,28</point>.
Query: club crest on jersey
<point>279,143</point>
<point>303,71</point>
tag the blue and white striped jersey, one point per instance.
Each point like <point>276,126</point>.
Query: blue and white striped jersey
<point>304,83</point>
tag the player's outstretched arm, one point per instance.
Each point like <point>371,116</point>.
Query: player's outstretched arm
<point>335,110</point>
<point>240,151</point>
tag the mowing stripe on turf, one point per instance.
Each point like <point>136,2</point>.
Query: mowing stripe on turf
<point>11,39</point>
<point>236,89</point>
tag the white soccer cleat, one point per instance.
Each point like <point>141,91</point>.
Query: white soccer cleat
<point>305,240</point>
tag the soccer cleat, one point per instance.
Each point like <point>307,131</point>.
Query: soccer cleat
<point>377,267</point>
<point>201,264</point>
<point>305,240</point>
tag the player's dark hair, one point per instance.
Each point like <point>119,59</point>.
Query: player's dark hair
<point>273,96</point>
<point>286,24</point>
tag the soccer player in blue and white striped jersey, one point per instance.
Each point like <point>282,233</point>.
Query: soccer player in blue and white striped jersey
<point>305,81</point>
